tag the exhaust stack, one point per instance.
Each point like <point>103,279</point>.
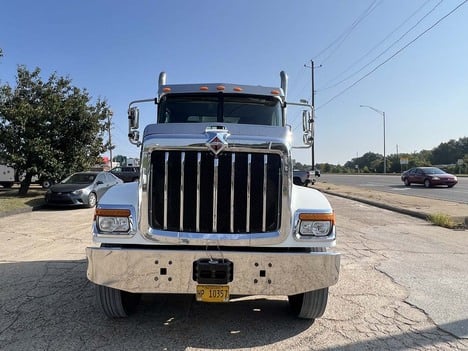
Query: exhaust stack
<point>284,82</point>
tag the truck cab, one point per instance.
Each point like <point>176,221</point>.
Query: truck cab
<point>215,212</point>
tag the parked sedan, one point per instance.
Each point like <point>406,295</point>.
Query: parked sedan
<point>429,176</point>
<point>81,189</point>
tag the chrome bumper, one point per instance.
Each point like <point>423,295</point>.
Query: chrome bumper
<point>170,271</point>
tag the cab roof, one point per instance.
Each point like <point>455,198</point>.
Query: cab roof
<point>220,87</point>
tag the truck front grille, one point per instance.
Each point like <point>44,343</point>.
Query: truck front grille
<point>196,191</point>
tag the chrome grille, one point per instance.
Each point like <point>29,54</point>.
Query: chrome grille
<point>196,191</point>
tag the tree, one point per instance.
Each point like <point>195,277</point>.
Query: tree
<point>49,128</point>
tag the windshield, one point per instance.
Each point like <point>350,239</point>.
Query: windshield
<point>227,108</point>
<point>434,171</point>
<point>80,178</point>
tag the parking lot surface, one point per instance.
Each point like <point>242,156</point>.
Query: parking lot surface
<point>48,304</point>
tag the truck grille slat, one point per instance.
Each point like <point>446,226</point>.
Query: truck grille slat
<point>198,192</point>
<point>215,194</point>
<point>181,207</point>
<point>166,177</point>
<point>233,177</point>
<point>265,182</point>
<point>195,191</point>
<point>249,177</point>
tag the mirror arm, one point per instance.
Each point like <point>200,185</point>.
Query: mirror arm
<point>301,147</point>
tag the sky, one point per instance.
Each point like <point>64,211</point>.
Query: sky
<point>406,58</point>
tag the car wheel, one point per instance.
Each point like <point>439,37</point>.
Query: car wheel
<point>407,182</point>
<point>92,200</point>
<point>427,183</point>
<point>46,184</point>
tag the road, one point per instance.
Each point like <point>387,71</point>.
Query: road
<point>402,286</point>
<point>393,184</point>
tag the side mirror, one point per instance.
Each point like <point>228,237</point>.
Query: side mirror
<point>133,118</point>
<point>134,137</point>
<point>305,120</point>
<point>307,138</point>
<point>133,123</point>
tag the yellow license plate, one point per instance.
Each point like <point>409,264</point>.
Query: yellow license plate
<point>213,293</point>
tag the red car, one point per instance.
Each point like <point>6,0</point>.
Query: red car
<point>429,176</point>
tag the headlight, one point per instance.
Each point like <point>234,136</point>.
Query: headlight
<point>315,228</point>
<point>112,220</point>
<point>435,178</point>
<point>113,224</point>
<point>316,224</point>
<point>77,192</point>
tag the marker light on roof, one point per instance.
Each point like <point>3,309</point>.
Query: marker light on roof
<point>204,88</point>
<point>220,87</point>
<point>237,89</point>
<point>166,89</point>
<point>275,92</point>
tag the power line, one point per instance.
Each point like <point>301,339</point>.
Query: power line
<point>391,57</point>
<point>347,31</point>
<point>366,13</point>
<point>330,84</point>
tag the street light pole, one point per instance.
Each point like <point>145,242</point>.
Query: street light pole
<point>383,116</point>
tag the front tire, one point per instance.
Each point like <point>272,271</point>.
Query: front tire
<point>427,183</point>
<point>309,305</point>
<point>46,184</point>
<point>92,200</point>
<point>407,182</point>
<point>116,303</point>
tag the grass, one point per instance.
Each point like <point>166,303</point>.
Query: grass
<point>10,201</point>
<point>442,220</point>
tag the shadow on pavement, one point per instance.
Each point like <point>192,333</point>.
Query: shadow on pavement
<point>50,305</point>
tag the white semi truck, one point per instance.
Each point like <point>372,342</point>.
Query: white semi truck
<point>7,176</point>
<point>215,212</point>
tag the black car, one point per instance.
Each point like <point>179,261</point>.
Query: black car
<point>428,176</point>
<point>127,173</point>
<point>81,189</point>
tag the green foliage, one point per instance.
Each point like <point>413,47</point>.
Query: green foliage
<point>442,220</point>
<point>445,156</point>
<point>49,128</point>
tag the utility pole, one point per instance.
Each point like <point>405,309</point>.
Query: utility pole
<point>312,116</point>
<point>109,115</point>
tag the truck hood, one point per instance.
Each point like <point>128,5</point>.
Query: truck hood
<point>191,133</point>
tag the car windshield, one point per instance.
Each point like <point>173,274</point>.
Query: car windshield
<point>433,170</point>
<point>228,108</point>
<point>80,178</point>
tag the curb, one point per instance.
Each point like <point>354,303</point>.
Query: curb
<point>462,222</point>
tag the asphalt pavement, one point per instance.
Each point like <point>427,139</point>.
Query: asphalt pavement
<point>420,207</point>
